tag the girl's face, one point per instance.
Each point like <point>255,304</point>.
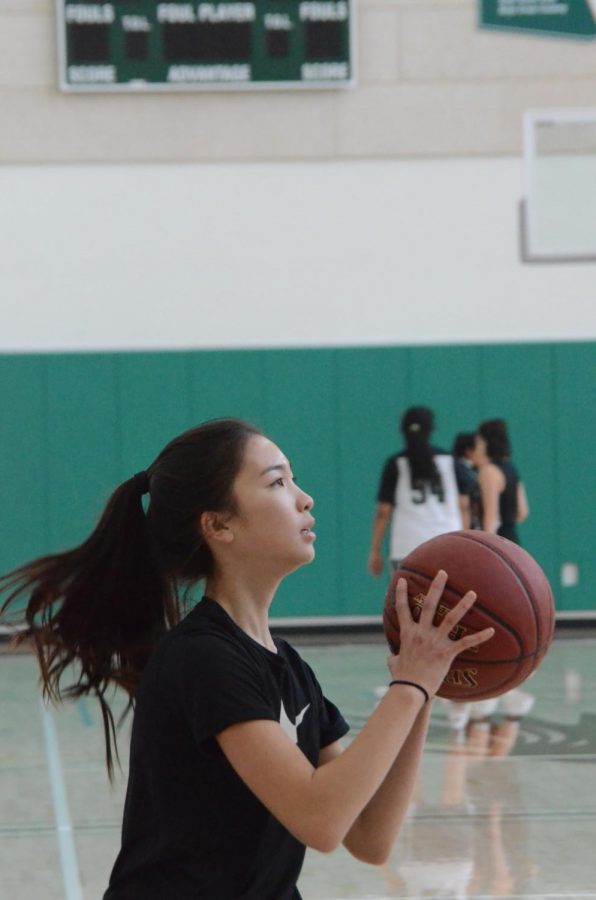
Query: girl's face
<point>273,525</point>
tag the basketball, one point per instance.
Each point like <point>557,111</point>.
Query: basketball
<point>513,596</point>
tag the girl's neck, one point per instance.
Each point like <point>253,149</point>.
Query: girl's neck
<point>246,603</point>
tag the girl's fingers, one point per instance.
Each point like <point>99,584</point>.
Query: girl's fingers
<point>428,611</point>
<point>473,640</point>
<point>458,612</point>
<point>401,603</point>
<point>431,600</point>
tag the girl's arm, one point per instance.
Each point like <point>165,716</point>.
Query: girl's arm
<point>319,806</point>
<point>463,502</point>
<point>523,509</point>
<point>491,483</point>
<point>383,513</point>
<point>372,835</point>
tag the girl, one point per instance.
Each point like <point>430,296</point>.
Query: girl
<point>235,760</point>
<point>503,499</point>
<point>423,492</point>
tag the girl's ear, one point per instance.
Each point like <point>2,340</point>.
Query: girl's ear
<point>214,528</point>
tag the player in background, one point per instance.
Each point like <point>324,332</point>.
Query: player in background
<point>422,492</point>
<point>463,452</point>
<point>502,504</point>
<point>503,498</point>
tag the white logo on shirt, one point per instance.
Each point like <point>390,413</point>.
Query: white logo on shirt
<point>288,727</point>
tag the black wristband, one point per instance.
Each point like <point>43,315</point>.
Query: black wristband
<point>412,684</point>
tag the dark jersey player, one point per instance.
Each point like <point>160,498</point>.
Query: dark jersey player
<point>178,817</point>
<point>463,453</point>
<point>503,501</point>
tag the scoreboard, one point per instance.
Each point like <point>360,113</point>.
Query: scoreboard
<point>141,45</point>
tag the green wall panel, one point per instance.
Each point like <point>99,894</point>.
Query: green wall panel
<point>73,426</point>
<point>575,409</point>
<point>23,486</point>
<point>446,379</point>
<point>300,404</point>
<point>154,400</point>
<point>227,383</point>
<point>83,446</point>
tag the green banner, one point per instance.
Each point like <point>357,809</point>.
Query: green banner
<point>574,18</point>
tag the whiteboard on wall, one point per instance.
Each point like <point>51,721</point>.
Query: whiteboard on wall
<point>559,206</point>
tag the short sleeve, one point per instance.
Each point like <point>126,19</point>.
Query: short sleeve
<point>332,725</point>
<point>221,686</point>
<point>388,482</point>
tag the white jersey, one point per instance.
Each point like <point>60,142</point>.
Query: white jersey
<point>423,512</point>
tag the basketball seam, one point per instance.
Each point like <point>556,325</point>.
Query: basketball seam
<point>477,605</point>
<point>514,569</point>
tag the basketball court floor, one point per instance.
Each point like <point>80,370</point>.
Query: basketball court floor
<point>518,825</point>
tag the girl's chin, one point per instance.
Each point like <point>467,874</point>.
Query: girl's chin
<point>304,559</point>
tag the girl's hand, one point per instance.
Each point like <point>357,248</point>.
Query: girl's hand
<point>426,650</point>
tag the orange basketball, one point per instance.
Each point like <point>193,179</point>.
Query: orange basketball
<point>514,597</point>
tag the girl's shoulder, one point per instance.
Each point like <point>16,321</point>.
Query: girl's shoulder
<point>491,475</point>
<point>199,646</point>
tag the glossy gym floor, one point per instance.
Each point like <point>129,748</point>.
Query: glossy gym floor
<point>501,809</point>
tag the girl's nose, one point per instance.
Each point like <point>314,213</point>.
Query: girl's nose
<point>305,501</point>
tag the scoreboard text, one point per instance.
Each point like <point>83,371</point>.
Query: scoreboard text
<point>144,45</point>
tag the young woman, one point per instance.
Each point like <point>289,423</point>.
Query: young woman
<point>423,492</point>
<point>235,760</point>
<point>503,499</point>
<point>463,452</point>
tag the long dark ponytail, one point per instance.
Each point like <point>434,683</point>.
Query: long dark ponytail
<point>417,424</point>
<point>103,605</point>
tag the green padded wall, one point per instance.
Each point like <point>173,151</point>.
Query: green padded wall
<point>574,510</point>
<point>74,425</point>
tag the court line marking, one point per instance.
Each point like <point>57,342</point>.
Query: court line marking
<point>64,834</point>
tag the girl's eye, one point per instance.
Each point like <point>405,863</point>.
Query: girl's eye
<point>279,481</point>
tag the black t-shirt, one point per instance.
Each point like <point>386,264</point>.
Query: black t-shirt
<point>508,502</point>
<point>192,829</point>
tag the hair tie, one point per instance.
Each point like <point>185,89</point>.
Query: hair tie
<point>141,482</point>
<point>414,427</point>
<point>413,684</point>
